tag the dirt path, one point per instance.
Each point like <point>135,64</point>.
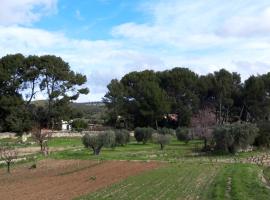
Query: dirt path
<point>31,150</point>
<point>62,179</point>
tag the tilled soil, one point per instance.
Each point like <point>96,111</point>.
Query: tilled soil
<point>65,179</point>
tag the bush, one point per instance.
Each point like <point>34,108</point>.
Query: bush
<point>166,131</point>
<point>182,134</point>
<point>161,139</point>
<point>122,137</point>
<point>79,125</point>
<point>233,137</point>
<point>263,139</point>
<point>143,134</point>
<point>99,140</point>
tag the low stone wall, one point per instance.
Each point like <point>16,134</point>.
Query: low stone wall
<point>56,134</point>
<point>7,135</point>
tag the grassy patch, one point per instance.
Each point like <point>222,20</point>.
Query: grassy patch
<point>175,181</point>
<point>174,152</point>
<point>238,181</point>
<point>266,173</point>
<point>17,142</point>
<point>65,142</point>
<point>132,151</point>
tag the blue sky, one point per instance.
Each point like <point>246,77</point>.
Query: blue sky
<point>106,39</point>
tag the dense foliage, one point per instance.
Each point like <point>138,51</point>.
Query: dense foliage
<point>234,137</point>
<point>148,98</point>
<point>161,139</point>
<point>182,134</point>
<point>23,78</point>
<point>79,125</point>
<point>143,134</point>
<point>122,137</point>
<point>263,139</point>
<point>166,131</point>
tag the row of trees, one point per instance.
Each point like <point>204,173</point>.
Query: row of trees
<point>24,78</point>
<point>147,98</point>
<point>108,138</point>
<point>120,137</point>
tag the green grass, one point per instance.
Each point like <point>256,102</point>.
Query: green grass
<point>174,152</point>
<point>133,151</point>
<point>238,182</point>
<point>186,175</point>
<point>65,142</point>
<point>175,181</point>
<point>16,142</point>
<point>190,181</point>
<point>266,173</point>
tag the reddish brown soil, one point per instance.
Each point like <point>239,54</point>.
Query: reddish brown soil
<point>65,179</point>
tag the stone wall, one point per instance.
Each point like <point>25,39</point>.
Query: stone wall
<point>7,135</point>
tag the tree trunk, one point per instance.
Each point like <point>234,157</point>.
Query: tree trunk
<point>220,106</point>
<point>205,143</point>
<point>41,146</point>
<point>8,167</point>
<point>97,151</point>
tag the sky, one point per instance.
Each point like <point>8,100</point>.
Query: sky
<point>105,39</point>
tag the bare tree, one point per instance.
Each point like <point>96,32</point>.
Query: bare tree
<point>202,124</point>
<point>8,154</point>
<point>42,137</point>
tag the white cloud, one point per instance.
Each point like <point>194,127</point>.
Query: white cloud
<point>192,33</point>
<point>246,26</point>
<point>100,60</point>
<point>25,11</point>
<point>178,33</point>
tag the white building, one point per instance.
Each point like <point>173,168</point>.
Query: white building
<point>66,125</point>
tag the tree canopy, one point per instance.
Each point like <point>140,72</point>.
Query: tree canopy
<point>23,78</point>
<point>149,98</point>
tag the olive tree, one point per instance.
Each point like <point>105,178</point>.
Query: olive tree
<point>122,137</point>
<point>143,134</point>
<point>161,139</point>
<point>233,137</point>
<point>98,140</point>
<point>263,139</point>
<point>166,131</point>
<point>182,134</point>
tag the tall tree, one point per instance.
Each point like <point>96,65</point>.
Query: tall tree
<point>180,85</point>
<point>220,89</point>
<point>145,99</point>
<point>13,116</point>
<point>256,98</point>
<point>59,82</point>
<point>115,102</point>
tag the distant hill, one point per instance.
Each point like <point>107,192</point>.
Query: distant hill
<point>93,111</point>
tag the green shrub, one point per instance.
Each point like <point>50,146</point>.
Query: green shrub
<point>122,137</point>
<point>143,134</point>
<point>79,125</point>
<point>263,139</point>
<point>233,137</point>
<point>166,131</point>
<point>161,139</point>
<point>182,134</point>
<point>99,140</point>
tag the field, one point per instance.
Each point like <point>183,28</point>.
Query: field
<point>134,171</point>
<point>60,179</point>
